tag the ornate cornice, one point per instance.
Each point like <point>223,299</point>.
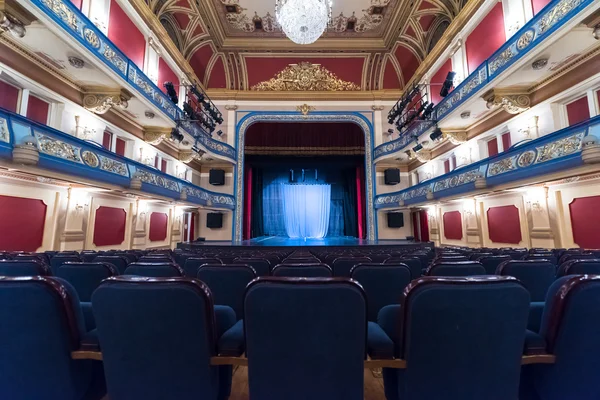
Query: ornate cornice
<point>187,156</point>
<point>355,95</point>
<point>423,155</point>
<point>305,76</point>
<point>513,102</point>
<point>155,135</point>
<point>455,137</point>
<point>100,100</point>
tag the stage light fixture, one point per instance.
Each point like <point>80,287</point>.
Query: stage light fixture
<point>448,83</point>
<point>189,110</point>
<point>418,148</point>
<point>437,135</point>
<point>171,92</point>
<point>219,133</point>
<point>427,112</point>
<point>176,136</point>
<point>199,95</point>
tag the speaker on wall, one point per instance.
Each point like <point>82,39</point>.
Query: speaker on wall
<point>214,220</point>
<point>395,220</point>
<point>392,176</point>
<point>216,177</point>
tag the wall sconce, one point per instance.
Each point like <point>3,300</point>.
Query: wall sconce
<point>535,206</point>
<point>83,132</point>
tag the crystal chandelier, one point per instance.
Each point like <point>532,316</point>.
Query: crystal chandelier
<point>303,21</point>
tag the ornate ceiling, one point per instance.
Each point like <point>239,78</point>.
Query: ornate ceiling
<point>372,44</point>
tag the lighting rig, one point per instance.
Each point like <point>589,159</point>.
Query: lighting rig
<point>414,105</point>
<point>197,108</point>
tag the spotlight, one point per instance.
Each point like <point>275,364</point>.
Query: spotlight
<point>437,135</point>
<point>189,110</point>
<point>199,95</point>
<point>171,92</point>
<point>427,112</point>
<point>220,133</point>
<point>176,136</point>
<point>448,83</point>
<point>390,132</point>
<point>418,148</point>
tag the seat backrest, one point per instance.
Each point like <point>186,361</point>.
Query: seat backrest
<point>415,264</point>
<point>342,265</point>
<point>454,328</point>
<point>444,258</point>
<point>456,268</point>
<point>227,282</point>
<point>576,267</point>
<point>193,263</point>
<point>157,270</point>
<point>86,276</point>
<point>571,327</point>
<point>167,328</point>
<point>305,338</point>
<point>88,256</point>
<point>535,275</point>
<point>119,262</point>
<point>316,270</point>
<point>42,324</point>
<point>542,256</point>
<point>59,259</point>
<point>379,258</point>
<point>260,265</point>
<point>515,254</point>
<point>383,284</point>
<point>490,263</point>
<point>581,256</point>
<point>24,268</point>
<point>477,256</point>
<point>130,257</point>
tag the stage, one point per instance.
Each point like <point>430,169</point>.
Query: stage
<point>280,241</point>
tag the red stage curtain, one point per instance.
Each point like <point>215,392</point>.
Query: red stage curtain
<point>248,204</point>
<point>305,138</point>
<point>415,220</point>
<point>424,226</point>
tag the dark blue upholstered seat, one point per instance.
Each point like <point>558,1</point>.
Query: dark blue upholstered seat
<point>181,257</point>
<point>119,262</point>
<point>227,282</point>
<point>479,255</point>
<point>455,268</point>
<point>87,256</point>
<point>86,276</point>
<point>316,270</point>
<point>24,268</point>
<point>515,254</point>
<point>415,265</point>
<point>59,259</point>
<point>576,256</point>
<point>535,275</point>
<point>490,263</point>
<point>342,265</point>
<point>451,258</point>
<point>167,329</point>
<point>261,266</point>
<point>157,270</point>
<point>462,338</point>
<point>542,256</point>
<point>130,257</point>
<point>41,325</point>
<point>379,258</point>
<point>383,284</point>
<point>577,267</point>
<point>193,263</point>
<point>305,338</point>
<point>571,327</point>
<point>156,258</point>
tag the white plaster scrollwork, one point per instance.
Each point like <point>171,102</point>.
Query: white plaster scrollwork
<point>512,103</point>
<point>100,101</point>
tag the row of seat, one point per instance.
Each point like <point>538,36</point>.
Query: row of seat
<point>164,338</point>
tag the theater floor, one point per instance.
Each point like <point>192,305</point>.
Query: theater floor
<point>239,390</point>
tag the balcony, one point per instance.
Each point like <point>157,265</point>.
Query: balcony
<point>65,154</point>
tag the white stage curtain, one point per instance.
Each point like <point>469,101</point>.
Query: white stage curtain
<point>306,210</point>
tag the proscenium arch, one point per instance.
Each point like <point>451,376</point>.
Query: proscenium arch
<point>291,116</point>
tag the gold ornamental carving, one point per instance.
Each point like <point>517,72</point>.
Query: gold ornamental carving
<point>186,156</point>
<point>423,155</point>
<point>304,109</point>
<point>155,135</point>
<point>512,103</point>
<point>305,76</point>
<point>100,101</point>
<point>456,137</point>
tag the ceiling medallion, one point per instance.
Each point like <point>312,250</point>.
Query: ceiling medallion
<point>305,76</point>
<point>303,21</point>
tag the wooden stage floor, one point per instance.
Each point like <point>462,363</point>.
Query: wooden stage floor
<point>239,387</point>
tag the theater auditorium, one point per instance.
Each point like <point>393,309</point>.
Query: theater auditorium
<point>299,199</point>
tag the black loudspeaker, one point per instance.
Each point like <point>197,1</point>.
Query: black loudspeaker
<point>200,239</point>
<point>392,176</point>
<point>214,220</point>
<point>216,177</point>
<point>395,220</point>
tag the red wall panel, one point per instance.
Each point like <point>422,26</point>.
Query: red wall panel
<point>21,223</point>
<point>217,77</point>
<point>506,142</point>
<point>120,147</point>
<point>578,111</point>
<point>585,221</point>
<point>163,165</point>
<point>125,35</point>
<point>158,226</point>
<point>453,225</point>
<point>408,62</point>
<point>390,77</point>
<point>199,61</point>
<point>438,79</point>
<point>9,96</point>
<point>166,74</point>
<point>538,5</point>
<point>492,146</point>
<point>446,166</point>
<point>486,38</point>
<point>107,140</point>
<point>504,224</point>
<point>109,228</point>
<point>37,110</point>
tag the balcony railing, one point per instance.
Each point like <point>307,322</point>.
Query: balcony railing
<point>67,154</point>
<point>543,24</point>
<point>72,20</point>
<point>555,152</point>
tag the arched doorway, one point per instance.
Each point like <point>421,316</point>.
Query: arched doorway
<point>295,117</point>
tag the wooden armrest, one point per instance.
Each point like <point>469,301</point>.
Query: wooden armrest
<point>538,359</point>
<point>86,355</point>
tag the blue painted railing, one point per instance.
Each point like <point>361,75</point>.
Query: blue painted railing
<point>67,154</point>
<point>72,20</point>
<point>552,17</point>
<point>555,152</point>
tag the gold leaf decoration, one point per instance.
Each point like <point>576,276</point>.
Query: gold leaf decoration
<point>305,76</point>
